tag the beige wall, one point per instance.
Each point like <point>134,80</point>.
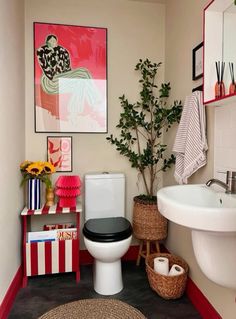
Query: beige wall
<point>12,137</point>
<point>135,30</point>
<point>183,33</point>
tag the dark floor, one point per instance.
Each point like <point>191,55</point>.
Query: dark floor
<point>46,292</point>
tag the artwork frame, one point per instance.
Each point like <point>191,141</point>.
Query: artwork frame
<point>59,152</point>
<point>198,88</point>
<point>197,62</point>
<point>70,78</point>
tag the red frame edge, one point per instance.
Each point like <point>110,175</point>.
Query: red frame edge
<point>203,37</point>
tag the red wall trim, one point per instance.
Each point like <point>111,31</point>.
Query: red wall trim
<point>197,298</point>
<point>12,291</point>
<point>86,258</point>
<point>131,254</point>
<point>200,302</point>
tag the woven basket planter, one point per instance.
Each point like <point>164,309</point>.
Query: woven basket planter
<point>168,287</point>
<point>148,223</point>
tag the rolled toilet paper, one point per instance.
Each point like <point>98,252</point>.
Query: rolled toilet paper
<point>176,270</point>
<point>161,265</point>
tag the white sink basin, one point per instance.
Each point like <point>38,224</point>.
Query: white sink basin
<point>198,207</point>
<point>211,216</point>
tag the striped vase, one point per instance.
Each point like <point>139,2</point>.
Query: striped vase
<point>34,194</point>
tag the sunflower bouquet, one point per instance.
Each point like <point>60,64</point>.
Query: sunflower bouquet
<point>40,170</point>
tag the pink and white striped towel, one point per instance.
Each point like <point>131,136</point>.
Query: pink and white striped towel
<point>190,144</point>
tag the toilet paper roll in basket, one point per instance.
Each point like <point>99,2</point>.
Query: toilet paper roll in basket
<point>176,270</point>
<point>161,265</point>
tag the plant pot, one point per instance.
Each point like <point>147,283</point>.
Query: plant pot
<point>148,223</point>
<point>34,194</point>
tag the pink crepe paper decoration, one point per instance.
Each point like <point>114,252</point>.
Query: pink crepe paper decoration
<point>61,192</point>
<point>67,201</point>
<point>68,182</point>
<point>67,189</point>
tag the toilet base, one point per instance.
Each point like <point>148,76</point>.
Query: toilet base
<point>107,273</point>
<point>107,277</point>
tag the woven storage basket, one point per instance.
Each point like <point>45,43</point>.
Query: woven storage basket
<point>148,223</point>
<point>168,287</point>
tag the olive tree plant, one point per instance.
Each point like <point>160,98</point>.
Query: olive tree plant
<point>142,125</point>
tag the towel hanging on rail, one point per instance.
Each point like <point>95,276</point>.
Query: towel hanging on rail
<point>190,144</point>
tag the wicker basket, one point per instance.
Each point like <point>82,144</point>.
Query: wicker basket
<point>148,223</point>
<point>168,287</point>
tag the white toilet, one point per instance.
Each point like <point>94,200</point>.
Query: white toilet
<point>107,233</point>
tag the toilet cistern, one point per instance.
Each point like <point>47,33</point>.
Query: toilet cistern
<point>229,186</point>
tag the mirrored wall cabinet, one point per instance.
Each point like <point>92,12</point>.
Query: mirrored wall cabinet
<point>219,52</point>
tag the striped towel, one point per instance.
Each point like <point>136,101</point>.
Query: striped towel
<point>190,144</point>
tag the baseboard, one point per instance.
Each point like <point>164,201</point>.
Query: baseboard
<point>200,302</point>
<point>87,259</point>
<point>12,291</point>
<point>131,254</point>
<point>196,297</point>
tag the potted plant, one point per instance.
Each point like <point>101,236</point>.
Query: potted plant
<point>142,125</point>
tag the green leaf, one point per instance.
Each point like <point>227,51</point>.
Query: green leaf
<point>143,123</point>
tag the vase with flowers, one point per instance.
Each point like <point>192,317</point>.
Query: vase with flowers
<point>33,174</point>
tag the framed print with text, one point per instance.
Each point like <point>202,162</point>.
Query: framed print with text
<point>59,151</point>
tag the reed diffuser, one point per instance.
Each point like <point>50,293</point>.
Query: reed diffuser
<point>219,86</point>
<point>232,87</point>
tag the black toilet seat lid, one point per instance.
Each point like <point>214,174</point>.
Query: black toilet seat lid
<point>107,229</point>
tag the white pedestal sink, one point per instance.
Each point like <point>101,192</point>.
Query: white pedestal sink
<point>212,217</point>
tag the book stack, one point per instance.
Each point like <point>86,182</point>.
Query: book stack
<point>52,235</point>
<point>67,189</point>
<point>58,226</point>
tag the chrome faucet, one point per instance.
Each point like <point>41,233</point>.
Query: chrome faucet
<point>229,186</point>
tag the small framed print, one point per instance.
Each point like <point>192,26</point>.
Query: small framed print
<point>59,152</point>
<point>197,67</point>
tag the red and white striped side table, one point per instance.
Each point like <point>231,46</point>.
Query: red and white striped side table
<point>50,257</point>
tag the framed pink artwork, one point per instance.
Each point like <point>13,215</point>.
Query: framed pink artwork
<point>70,78</point>
<point>59,150</point>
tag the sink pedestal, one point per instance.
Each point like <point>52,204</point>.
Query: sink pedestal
<point>216,255</point>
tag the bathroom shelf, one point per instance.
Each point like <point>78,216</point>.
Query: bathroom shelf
<point>227,99</point>
<point>50,257</point>
<point>219,45</point>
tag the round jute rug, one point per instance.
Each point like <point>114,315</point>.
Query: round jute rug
<point>94,309</point>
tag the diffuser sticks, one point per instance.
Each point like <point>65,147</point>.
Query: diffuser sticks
<point>232,87</point>
<point>219,86</point>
